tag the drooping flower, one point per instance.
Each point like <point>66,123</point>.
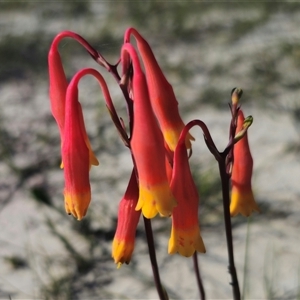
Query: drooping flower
<point>128,218</point>
<point>58,87</point>
<point>77,187</point>
<point>242,199</point>
<point>185,234</point>
<point>75,156</point>
<point>147,145</point>
<point>162,97</point>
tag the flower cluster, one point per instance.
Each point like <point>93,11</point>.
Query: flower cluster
<point>161,181</point>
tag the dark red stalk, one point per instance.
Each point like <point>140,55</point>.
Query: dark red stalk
<point>228,227</point>
<point>151,247</point>
<point>198,276</point>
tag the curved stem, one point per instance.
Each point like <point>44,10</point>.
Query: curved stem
<point>198,276</point>
<point>159,287</point>
<point>207,137</point>
<point>108,101</point>
<point>128,100</point>
<point>99,59</point>
<point>228,228</point>
<point>78,38</point>
<point>113,70</point>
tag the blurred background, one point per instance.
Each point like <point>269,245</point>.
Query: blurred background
<point>205,50</point>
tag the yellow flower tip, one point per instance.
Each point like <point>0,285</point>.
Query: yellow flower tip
<point>188,140</point>
<point>119,265</point>
<point>156,199</point>
<point>61,165</point>
<point>148,209</point>
<point>77,204</point>
<point>186,242</point>
<point>243,203</point>
<point>93,159</point>
<point>171,137</point>
<point>68,211</point>
<point>122,251</point>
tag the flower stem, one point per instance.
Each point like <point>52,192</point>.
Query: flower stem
<point>198,276</point>
<point>159,287</point>
<point>245,272</point>
<point>228,228</point>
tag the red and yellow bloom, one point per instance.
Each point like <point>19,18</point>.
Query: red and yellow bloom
<point>75,156</point>
<point>185,234</point>
<point>128,218</point>
<point>162,97</point>
<point>147,146</point>
<point>242,199</point>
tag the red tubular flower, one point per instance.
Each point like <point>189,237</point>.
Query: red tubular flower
<point>185,235</point>
<point>147,146</point>
<point>75,150</point>
<point>128,218</point>
<point>58,88</point>
<point>242,199</point>
<point>161,93</point>
<point>75,155</point>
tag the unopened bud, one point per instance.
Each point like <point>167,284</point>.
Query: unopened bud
<point>236,95</point>
<point>247,123</point>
